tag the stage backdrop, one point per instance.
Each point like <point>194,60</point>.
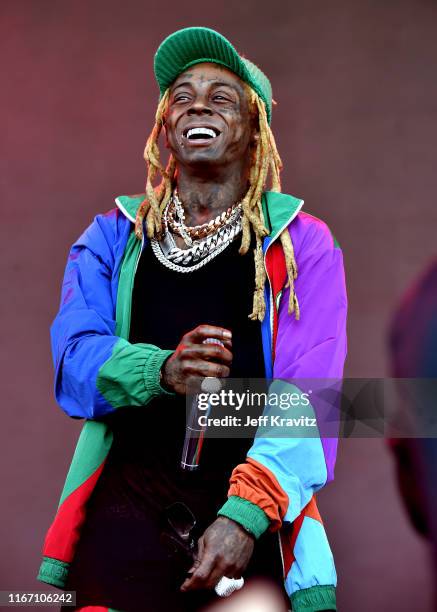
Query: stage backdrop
<point>356,124</point>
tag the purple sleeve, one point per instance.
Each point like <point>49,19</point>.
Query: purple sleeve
<point>315,346</point>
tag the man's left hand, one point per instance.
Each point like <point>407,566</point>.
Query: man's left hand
<point>224,550</point>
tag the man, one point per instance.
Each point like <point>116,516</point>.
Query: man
<point>145,286</point>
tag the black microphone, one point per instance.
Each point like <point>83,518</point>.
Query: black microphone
<point>194,432</point>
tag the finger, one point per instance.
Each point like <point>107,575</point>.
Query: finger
<point>201,574</point>
<point>215,575</point>
<point>202,332</point>
<point>198,556</point>
<point>208,352</point>
<point>205,368</point>
<point>194,566</point>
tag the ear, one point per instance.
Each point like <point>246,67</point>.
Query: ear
<point>164,130</point>
<point>255,138</point>
<point>254,124</point>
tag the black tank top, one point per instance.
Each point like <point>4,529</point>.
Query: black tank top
<point>166,305</point>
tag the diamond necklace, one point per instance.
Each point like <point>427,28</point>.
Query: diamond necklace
<point>201,251</point>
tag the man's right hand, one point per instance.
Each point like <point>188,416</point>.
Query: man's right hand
<point>193,359</point>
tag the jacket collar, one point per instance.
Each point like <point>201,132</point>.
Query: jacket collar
<point>129,205</point>
<point>278,209</point>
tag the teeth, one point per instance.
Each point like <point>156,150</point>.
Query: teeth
<point>202,131</point>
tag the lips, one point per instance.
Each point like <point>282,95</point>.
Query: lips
<point>201,133</point>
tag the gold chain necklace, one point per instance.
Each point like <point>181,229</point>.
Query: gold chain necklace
<point>176,221</point>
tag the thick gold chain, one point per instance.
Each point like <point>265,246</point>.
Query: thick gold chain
<point>197,231</point>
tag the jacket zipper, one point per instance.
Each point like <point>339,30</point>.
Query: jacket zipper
<point>132,220</point>
<point>271,300</point>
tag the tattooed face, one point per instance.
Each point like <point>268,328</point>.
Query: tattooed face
<point>208,120</point>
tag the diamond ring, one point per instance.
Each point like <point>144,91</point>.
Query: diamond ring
<point>226,586</point>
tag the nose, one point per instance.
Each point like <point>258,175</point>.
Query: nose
<point>199,107</point>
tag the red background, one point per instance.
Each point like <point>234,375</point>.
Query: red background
<point>356,126</point>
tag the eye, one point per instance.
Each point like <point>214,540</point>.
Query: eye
<point>181,97</point>
<point>221,97</point>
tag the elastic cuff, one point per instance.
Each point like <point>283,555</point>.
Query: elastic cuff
<point>53,571</point>
<point>313,599</point>
<point>248,515</point>
<point>151,371</point>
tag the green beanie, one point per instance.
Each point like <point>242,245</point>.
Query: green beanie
<point>190,46</point>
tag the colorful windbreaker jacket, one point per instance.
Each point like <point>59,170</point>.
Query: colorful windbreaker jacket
<point>97,370</point>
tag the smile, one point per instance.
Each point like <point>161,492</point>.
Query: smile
<point>201,133</point>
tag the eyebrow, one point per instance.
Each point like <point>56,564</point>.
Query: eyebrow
<point>183,85</point>
<point>218,84</point>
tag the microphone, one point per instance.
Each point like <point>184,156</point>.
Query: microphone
<point>195,433</point>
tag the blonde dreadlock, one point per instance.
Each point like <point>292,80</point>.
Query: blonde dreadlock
<point>265,159</point>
